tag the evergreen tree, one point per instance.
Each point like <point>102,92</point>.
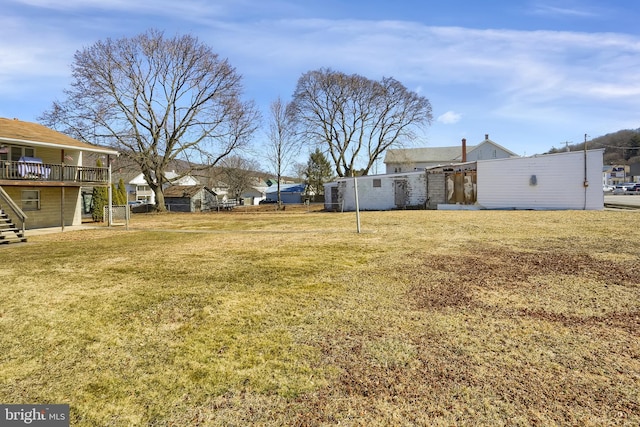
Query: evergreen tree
<point>114,194</point>
<point>118,194</point>
<point>122,193</point>
<point>99,199</point>
<point>318,172</point>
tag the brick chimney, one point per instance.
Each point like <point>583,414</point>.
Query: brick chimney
<point>464,150</point>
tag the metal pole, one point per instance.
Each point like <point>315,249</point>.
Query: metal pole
<point>586,181</point>
<point>109,192</point>
<point>127,216</point>
<point>62,209</point>
<point>355,187</point>
<point>62,198</point>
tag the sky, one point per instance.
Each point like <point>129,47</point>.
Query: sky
<point>532,74</point>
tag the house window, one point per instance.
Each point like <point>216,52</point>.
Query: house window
<point>377,183</point>
<point>17,152</point>
<point>14,153</point>
<point>30,200</point>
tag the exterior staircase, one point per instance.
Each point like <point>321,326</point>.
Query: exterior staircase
<point>9,233</point>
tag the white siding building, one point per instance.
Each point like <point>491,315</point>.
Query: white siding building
<point>377,192</point>
<point>550,181</point>
<point>569,180</point>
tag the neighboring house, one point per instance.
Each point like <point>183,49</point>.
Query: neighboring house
<point>42,172</point>
<point>616,174</point>
<point>127,177</point>
<point>289,193</point>
<point>253,195</point>
<point>412,159</point>
<point>189,198</point>
<point>569,180</point>
<point>143,191</point>
<point>222,191</point>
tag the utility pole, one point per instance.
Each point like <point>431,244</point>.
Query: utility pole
<point>355,190</point>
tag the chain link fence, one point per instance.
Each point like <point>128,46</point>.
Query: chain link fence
<point>120,214</point>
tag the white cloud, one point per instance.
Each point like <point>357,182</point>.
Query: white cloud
<point>534,76</point>
<point>449,117</point>
<point>544,9</point>
<point>513,61</point>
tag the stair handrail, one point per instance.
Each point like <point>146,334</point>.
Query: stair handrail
<point>21,215</point>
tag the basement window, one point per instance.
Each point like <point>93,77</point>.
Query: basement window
<point>30,200</point>
<point>377,183</point>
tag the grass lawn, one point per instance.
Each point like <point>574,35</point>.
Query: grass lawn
<point>292,318</point>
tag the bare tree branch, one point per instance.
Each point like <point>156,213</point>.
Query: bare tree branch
<point>156,99</point>
<point>352,116</point>
<point>283,145</point>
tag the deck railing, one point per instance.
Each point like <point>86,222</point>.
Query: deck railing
<point>34,171</point>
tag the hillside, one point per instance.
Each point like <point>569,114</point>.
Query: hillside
<point>621,147</point>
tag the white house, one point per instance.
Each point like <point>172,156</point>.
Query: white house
<point>143,192</point>
<point>253,195</point>
<point>569,180</point>
<point>411,159</point>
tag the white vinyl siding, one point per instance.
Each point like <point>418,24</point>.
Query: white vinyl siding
<point>554,181</point>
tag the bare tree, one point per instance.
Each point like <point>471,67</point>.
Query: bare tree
<point>354,117</point>
<point>299,170</point>
<point>239,174</point>
<point>156,99</point>
<point>283,146</point>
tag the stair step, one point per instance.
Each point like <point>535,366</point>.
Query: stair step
<point>12,238</point>
<point>9,233</point>
<point>9,241</point>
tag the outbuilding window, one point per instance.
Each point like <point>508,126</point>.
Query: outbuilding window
<point>377,183</point>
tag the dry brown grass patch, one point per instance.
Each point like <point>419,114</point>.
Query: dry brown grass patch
<point>241,318</point>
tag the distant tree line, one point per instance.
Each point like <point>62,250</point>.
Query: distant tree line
<point>620,148</point>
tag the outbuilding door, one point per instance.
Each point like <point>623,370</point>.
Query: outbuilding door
<point>400,193</point>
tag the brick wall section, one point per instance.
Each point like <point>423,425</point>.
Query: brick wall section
<point>437,190</point>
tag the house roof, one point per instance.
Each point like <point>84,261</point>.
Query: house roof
<point>488,141</point>
<point>182,190</point>
<point>171,176</point>
<point>17,131</point>
<point>425,154</point>
<point>287,188</point>
<point>437,154</point>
